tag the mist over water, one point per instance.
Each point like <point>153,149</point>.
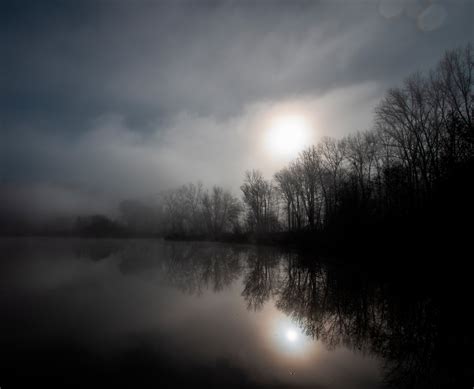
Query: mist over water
<point>143,312</point>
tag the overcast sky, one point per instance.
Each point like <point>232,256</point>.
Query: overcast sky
<point>113,99</point>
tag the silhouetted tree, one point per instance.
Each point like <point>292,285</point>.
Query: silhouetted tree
<point>423,136</point>
<point>221,211</point>
<point>259,196</point>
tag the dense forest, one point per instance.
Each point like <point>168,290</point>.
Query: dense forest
<point>406,180</point>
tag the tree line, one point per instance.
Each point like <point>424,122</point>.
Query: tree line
<point>412,165</point>
<point>423,133</point>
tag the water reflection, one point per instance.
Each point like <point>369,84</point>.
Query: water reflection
<point>332,304</point>
<point>289,337</point>
<point>190,267</point>
<point>262,276</point>
<point>262,317</point>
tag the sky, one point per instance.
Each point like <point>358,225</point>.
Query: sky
<point>106,100</point>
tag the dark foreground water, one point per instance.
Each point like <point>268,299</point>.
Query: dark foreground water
<point>146,313</point>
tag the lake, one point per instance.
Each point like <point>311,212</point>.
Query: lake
<point>149,313</point>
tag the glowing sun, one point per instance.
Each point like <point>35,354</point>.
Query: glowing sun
<point>291,335</point>
<point>288,134</point>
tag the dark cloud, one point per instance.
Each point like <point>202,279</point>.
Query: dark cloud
<point>123,97</point>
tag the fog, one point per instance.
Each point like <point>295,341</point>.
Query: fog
<point>113,100</point>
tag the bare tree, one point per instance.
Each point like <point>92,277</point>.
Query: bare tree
<point>455,71</point>
<point>333,154</point>
<point>308,167</point>
<point>259,196</point>
<point>182,207</point>
<point>220,210</point>
<point>289,189</point>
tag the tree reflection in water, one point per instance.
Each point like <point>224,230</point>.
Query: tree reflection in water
<point>262,276</point>
<point>189,267</point>
<point>419,335</point>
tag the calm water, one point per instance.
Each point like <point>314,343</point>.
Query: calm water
<point>145,313</point>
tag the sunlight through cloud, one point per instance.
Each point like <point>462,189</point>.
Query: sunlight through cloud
<point>288,134</point>
<point>292,335</point>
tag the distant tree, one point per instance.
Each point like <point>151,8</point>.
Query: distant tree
<point>182,209</point>
<point>220,211</point>
<point>98,226</point>
<point>260,197</point>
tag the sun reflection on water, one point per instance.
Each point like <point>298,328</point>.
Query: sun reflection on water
<point>288,337</point>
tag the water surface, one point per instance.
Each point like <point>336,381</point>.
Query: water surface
<point>148,313</point>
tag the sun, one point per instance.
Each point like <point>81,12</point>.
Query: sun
<point>287,134</point>
<point>291,335</point>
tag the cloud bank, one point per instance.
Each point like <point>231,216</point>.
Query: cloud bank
<point>107,100</point>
